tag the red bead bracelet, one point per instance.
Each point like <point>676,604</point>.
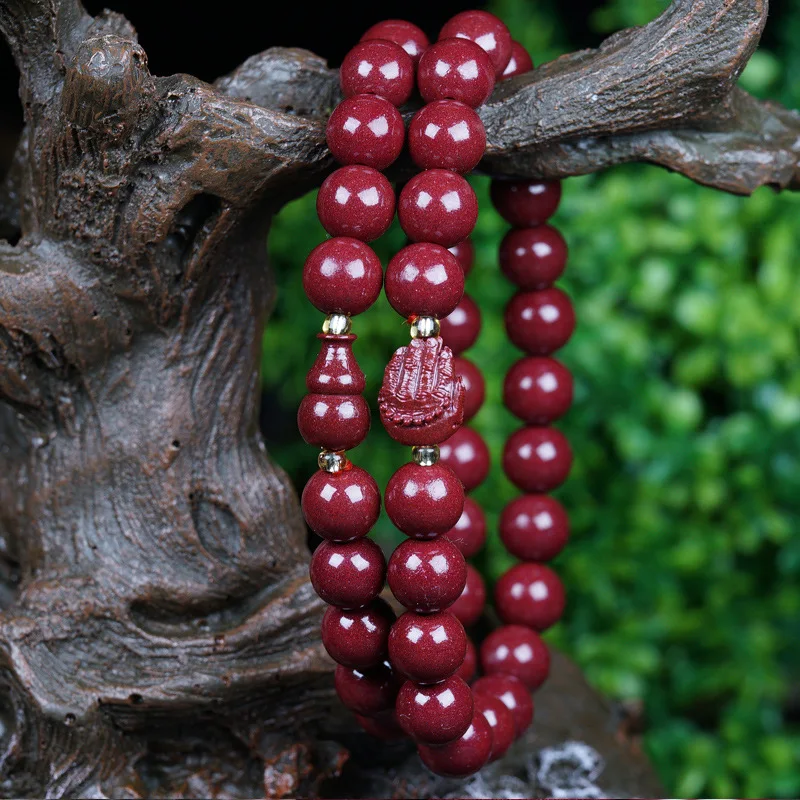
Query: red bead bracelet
<point>408,675</point>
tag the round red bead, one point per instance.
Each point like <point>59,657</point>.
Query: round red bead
<point>465,253</point>
<point>427,648</point>
<point>460,328</point>
<point>463,757</point>
<point>348,575</point>
<point>474,386</point>
<point>540,322</point>
<point>500,720</point>
<point>437,206</point>
<point>342,276</point>
<point>411,38</point>
<point>469,607</point>
<point>446,134</point>
<point>533,258</point>
<point>333,421</point>
<point>358,639</point>
<point>537,459</point>
<point>519,63</point>
<point>518,651</point>
<point>538,390</point>
<point>525,204</point>
<point>423,501</point>
<point>455,69</point>
<point>466,453</point>
<point>469,533</point>
<point>513,694</point>
<point>530,594</point>
<point>356,201</point>
<point>435,714</point>
<point>486,30</point>
<point>341,506</point>
<point>369,692</point>
<point>470,666</point>
<point>365,129</point>
<point>534,527</point>
<point>424,280</point>
<point>336,370</point>
<point>380,67</point>
<point>382,726</point>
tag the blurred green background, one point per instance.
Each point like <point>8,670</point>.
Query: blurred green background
<point>683,572</point>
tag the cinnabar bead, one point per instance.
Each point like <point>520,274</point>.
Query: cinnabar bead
<point>365,129</point>
<point>525,204</point>
<point>411,38</point>
<point>474,386</point>
<point>460,328</point>
<point>370,692</point>
<point>486,30</point>
<point>446,134</point>
<point>469,533</point>
<point>455,69</point>
<point>336,370</point>
<point>356,201</point>
<point>540,322</point>
<point>530,594</point>
<point>465,756</point>
<point>382,726</point>
<point>537,459</point>
<point>469,607</point>
<point>534,527</point>
<point>426,576</point>
<point>358,638</point>
<point>341,506</point>
<point>519,63</point>
<point>427,648</point>
<point>465,253</point>
<point>342,276</point>
<point>470,666</point>
<point>349,574</point>
<point>333,421</point>
<point>533,258</point>
<point>380,67</point>
<point>512,692</point>
<point>424,280</point>
<point>435,714</point>
<point>466,453</point>
<point>518,651</point>
<point>437,206</point>
<point>538,390</point>
<point>424,501</point>
<point>500,720</point>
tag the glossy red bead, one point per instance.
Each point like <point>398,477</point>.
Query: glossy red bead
<point>365,129</point>
<point>525,204</point>
<point>446,134</point>
<point>426,576</point>
<point>519,63</point>
<point>425,280</point>
<point>370,692</point>
<point>333,421</point>
<point>533,258</point>
<point>336,370</point>
<point>411,38</point>
<point>538,390</point>
<point>469,607</point>
<point>455,69</point>
<point>486,30</point>
<point>356,201</point>
<point>348,575</point>
<point>537,459</point>
<point>540,322</point>
<point>341,506</point>
<point>424,501</point>
<point>465,756</point>
<point>518,651</point>
<point>514,695</point>
<point>465,253</point>
<point>380,67</point>
<point>469,533</point>
<point>466,453</point>
<point>470,666</point>
<point>435,714</point>
<point>427,648</point>
<point>437,206</point>
<point>500,720</point>
<point>534,527</point>
<point>460,328</point>
<point>382,726</point>
<point>342,276</point>
<point>358,638</point>
<point>530,594</point>
<point>474,386</point>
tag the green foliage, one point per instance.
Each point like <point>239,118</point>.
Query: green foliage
<point>684,569</point>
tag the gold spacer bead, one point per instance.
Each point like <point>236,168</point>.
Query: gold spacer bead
<point>332,461</point>
<point>337,324</point>
<point>426,455</point>
<point>425,327</point>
